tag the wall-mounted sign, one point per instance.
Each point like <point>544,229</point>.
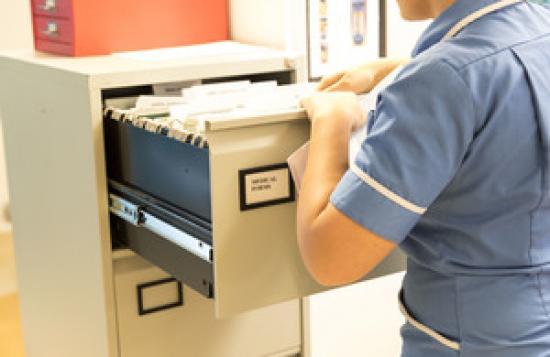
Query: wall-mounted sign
<point>344,33</point>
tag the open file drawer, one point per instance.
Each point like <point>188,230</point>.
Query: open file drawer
<point>217,212</point>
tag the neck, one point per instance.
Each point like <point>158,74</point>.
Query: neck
<point>439,6</point>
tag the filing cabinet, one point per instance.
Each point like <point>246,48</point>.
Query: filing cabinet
<point>91,27</point>
<point>87,269</point>
<point>53,26</point>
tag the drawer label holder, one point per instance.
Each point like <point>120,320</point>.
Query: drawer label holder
<point>141,291</point>
<point>137,216</point>
<point>265,186</point>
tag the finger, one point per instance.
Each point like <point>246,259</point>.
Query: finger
<point>329,80</point>
<point>359,83</point>
<point>340,86</point>
<point>368,82</point>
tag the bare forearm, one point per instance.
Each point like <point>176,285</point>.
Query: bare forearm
<point>335,249</point>
<point>327,163</point>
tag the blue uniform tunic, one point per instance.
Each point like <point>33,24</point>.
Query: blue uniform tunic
<point>455,169</point>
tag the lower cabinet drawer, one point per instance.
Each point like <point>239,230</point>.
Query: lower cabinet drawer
<point>54,47</point>
<point>155,320</point>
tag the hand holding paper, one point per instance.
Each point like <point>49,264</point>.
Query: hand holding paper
<point>298,160</point>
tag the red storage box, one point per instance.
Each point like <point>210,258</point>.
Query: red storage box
<point>98,27</point>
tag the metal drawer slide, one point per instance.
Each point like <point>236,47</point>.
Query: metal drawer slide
<point>137,216</point>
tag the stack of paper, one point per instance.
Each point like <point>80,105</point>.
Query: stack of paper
<point>230,99</point>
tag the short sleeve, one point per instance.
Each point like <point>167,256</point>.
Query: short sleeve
<point>423,126</point>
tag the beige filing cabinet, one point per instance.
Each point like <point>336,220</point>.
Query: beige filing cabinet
<point>83,295</point>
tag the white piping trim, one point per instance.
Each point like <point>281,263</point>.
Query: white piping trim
<point>477,15</point>
<point>428,331</point>
<point>386,192</point>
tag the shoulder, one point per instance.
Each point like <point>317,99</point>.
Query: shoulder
<point>428,88</point>
<point>459,63</point>
<point>458,55</point>
<point>429,75</point>
<point>491,39</point>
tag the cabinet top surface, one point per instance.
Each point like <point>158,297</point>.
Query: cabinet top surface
<point>188,62</point>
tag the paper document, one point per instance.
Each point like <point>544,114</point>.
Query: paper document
<point>298,160</point>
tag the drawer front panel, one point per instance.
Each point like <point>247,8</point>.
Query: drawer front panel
<point>53,29</point>
<point>172,171</point>
<point>52,8</point>
<point>192,329</point>
<point>54,47</point>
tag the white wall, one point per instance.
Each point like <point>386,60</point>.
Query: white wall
<point>15,33</point>
<point>262,23</point>
<point>15,24</point>
<point>402,35</point>
<point>274,23</point>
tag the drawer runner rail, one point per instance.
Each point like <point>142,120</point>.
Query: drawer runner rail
<point>137,216</point>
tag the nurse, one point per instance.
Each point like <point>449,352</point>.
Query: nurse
<point>455,171</point>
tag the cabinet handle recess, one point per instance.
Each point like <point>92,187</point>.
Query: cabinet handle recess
<point>49,5</point>
<point>52,29</point>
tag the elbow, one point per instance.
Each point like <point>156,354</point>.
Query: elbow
<point>325,266</point>
<point>336,251</point>
<point>326,279</point>
<point>332,278</point>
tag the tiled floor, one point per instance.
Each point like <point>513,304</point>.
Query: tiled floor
<point>7,263</point>
<point>11,341</point>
